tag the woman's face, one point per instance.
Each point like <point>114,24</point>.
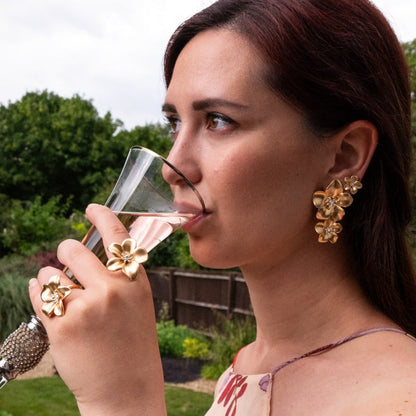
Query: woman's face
<point>250,155</point>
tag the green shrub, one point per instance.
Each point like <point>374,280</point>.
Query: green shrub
<point>195,348</point>
<point>15,306</point>
<point>28,227</point>
<point>171,338</point>
<point>212,371</point>
<point>173,252</point>
<point>227,338</point>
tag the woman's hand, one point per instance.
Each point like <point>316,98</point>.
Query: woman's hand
<point>105,347</point>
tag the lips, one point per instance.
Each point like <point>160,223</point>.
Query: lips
<point>194,221</point>
<point>187,208</point>
<point>198,213</point>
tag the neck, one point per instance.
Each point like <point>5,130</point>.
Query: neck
<point>311,301</point>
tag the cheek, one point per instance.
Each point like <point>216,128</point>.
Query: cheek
<point>251,178</point>
<point>262,199</point>
<point>265,195</point>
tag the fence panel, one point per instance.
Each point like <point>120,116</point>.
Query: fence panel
<point>194,297</point>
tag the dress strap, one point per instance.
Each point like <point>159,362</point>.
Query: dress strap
<point>264,382</point>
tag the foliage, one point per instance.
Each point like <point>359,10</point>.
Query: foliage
<point>25,226</point>
<point>153,136</point>
<point>172,337</point>
<point>15,306</point>
<point>410,52</point>
<point>195,348</point>
<point>60,146</point>
<point>227,338</point>
<point>33,231</point>
<point>173,252</point>
<point>79,224</point>
<point>54,146</point>
<point>49,396</point>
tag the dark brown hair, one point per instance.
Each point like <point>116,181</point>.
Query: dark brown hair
<point>339,61</point>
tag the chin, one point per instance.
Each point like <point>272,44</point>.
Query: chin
<point>210,257</point>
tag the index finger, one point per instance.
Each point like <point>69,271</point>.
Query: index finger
<point>110,228</point>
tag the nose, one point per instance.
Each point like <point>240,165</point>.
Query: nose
<point>182,157</point>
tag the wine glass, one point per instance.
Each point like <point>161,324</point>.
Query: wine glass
<point>144,202</point>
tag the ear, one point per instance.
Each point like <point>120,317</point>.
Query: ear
<point>354,147</point>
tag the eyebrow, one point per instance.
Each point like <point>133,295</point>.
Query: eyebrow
<point>207,103</point>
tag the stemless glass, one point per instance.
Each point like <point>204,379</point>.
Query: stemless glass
<point>145,204</point>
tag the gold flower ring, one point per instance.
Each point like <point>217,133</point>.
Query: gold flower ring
<point>53,296</point>
<point>127,257</point>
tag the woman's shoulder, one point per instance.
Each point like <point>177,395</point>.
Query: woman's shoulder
<point>395,357</point>
<point>387,379</point>
<point>397,398</point>
<point>374,375</point>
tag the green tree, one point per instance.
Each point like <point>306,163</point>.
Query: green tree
<point>52,145</point>
<point>55,146</point>
<point>410,52</point>
<point>152,136</point>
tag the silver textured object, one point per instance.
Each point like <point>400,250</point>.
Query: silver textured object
<point>22,350</point>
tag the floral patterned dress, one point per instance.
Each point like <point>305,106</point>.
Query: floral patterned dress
<point>248,395</point>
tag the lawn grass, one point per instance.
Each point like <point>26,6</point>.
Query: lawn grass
<point>48,396</point>
<point>45,396</point>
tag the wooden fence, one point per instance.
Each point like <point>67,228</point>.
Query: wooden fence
<point>194,297</point>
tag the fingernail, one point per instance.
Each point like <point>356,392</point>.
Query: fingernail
<point>33,282</point>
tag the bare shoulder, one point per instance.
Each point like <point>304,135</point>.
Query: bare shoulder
<point>393,389</point>
<point>392,402</point>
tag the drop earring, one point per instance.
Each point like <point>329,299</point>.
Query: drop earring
<point>330,204</point>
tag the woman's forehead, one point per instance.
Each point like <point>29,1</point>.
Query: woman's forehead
<point>219,59</point>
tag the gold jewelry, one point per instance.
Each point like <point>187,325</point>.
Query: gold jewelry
<point>127,258</point>
<point>53,296</point>
<point>331,204</point>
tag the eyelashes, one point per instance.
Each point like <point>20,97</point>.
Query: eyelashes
<point>219,121</point>
<point>174,124</point>
<point>213,121</point>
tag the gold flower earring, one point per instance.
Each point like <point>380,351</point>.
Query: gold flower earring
<point>331,204</point>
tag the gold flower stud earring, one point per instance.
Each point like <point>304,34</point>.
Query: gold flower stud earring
<point>330,204</point>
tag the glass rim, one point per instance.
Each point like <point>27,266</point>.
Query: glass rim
<point>175,169</point>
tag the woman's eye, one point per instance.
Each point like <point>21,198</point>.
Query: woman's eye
<point>218,121</point>
<point>174,123</point>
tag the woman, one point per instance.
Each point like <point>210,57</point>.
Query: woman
<point>279,109</point>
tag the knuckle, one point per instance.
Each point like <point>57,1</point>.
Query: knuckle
<point>69,249</point>
<point>83,310</point>
<point>117,231</point>
<point>110,296</point>
<point>46,271</point>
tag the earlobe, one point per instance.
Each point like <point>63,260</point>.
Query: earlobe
<point>354,145</point>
